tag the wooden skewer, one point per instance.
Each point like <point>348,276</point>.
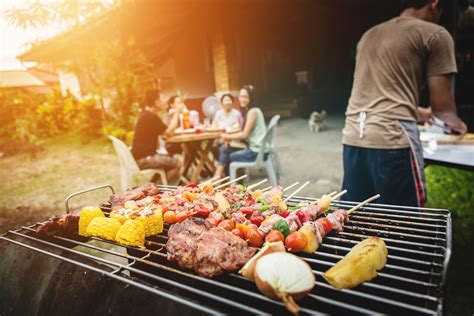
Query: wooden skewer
<point>332,193</point>
<point>256,184</point>
<point>338,195</point>
<point>362,204</point>
<point>266,189</point>
<point>230,182</point>
<point>291,186</point>
<point>296,191</point>
<point>221,180</point>
<point>207,181</point>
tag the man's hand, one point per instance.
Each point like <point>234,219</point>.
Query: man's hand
<point>459,129</point>
<point>425,116</point>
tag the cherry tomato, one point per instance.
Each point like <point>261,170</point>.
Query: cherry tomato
<point>247,211</point>
<point>257,220</point>
<point>227,224</point>
<point>326,224</point>
<point>274,236</point>
<point>254,239</point>
<point>214,221</point>
<point>243,228</point>
<point>201,211</point>
<point>237,233</point>
<point>296,241</point>
<point>170,217</point>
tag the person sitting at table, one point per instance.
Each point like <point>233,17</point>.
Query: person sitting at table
<point>227,118</point>
<point>253,133</point>
<point>148,128</point>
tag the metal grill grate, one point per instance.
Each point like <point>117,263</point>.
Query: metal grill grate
<point>418,241</point>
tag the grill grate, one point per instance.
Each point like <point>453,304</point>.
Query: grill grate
<point>418,241</point>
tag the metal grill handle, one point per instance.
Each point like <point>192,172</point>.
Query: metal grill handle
<point>85,191</point>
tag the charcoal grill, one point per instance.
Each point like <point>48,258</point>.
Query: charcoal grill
<point>418,242</point>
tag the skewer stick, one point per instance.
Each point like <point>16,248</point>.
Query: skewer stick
<point>256,184</point>
<point>362,204</point>
<point>296,191</point>
<point>230,182</point>
<point>338,195</point>
<point>291,186</point>
<point>221,180</point>
<point>266,189</point>
<point>332,193</point>
<point>207,181</point>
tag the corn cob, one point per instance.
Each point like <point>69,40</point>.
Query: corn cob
<point>104,227</point>
<point>132,233</point>
<point>122,214</point>
<point>152,220</point>
<point>86,215</point>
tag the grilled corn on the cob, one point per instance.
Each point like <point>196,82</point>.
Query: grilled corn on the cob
<point>152,220</point>
<point>132,233</point>
<point>122,214</point>
<point>104,227</point>
<point>86,215</point>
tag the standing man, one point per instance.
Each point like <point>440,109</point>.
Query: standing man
<point>147,129</point>
<point>382,151</point>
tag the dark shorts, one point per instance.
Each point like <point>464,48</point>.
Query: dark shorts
<point>158,162</point>
<point>388,172</point>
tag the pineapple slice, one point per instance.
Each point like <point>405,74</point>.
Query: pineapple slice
<point>312,244</point>
<point>359,265</point>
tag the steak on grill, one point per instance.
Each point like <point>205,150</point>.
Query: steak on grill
<point>134,194</point>
<point>210,251</point>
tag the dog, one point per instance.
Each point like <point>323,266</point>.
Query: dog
<point>317,120</point>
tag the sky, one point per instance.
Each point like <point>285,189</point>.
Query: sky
<point>14,41</point>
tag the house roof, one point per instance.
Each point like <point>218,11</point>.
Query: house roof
<point>19,79</point>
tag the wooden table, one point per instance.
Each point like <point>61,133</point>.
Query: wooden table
<point>196,147</point>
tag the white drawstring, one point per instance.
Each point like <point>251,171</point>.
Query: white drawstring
<point>362,117</point>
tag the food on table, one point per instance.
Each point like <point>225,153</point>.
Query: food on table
<point>296,241</point>
<point>269,247</point>
<point>210,251</point>
<point>104,227</point>
<point>63,225</point>
<point>284,276</point>
<point>131,233</point>
<point>359,265</point>
<point>86,215</point>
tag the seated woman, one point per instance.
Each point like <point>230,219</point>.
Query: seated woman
<point>227,118</point>
<point>253,133</point>
<point>147,130</point>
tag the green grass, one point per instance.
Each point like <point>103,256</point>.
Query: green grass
<point>34,189</point>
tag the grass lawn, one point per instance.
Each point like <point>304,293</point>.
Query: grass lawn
<point>34,189</point>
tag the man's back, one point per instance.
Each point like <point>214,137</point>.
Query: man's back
<point>393,59</point>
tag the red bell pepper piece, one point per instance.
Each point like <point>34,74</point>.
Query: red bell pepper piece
<point>247,211</point>
<point>257,220</point>
<point>302,216</point>
<point>201,211</point>
<point>249,201</point>
<point>284,213</point>
<point>192,185</point>
<point>326,224</point>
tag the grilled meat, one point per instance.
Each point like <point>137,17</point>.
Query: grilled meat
<point>210,251</point>
<point>134,194</point>
<point>63,225</point>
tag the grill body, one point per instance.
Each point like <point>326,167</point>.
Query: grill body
<point>100,277</point>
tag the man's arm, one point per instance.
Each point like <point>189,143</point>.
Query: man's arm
<point>442,102</point>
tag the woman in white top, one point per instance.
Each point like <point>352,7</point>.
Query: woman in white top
<point>227,118</point>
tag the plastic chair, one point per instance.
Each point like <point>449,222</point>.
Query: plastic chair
<point>260,161</point>
<point>129,167</point>
<point>273,149</point>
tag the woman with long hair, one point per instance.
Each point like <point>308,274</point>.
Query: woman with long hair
<point>252,133</point>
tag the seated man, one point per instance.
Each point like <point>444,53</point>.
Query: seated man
<point>149,126</point>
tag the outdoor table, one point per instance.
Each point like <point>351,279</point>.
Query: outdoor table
<point>451,155</point>
<point>196,147</point>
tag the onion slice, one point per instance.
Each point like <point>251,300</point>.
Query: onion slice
<point>249,268</point>
<point>284,276</point>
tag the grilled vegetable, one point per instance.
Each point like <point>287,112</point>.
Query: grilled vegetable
<point>237,233</point>
<point>222,203</point>
<point>86,215</point>
<point>359,265</point>
<point>152,220</point>
<point>284,276</point>
<point>312,241</point>
<point>170,217</point>
<point>274,236</point>
<point>254,239</point>
<point>324,202</point>
<point>122,214</point>
<point>271,247</point>
<point>103,227</point>
<point>132,233</point>
<point>243,228</point>
<point>296,241</point>
<point>282,226</point>
<point>227,224</point>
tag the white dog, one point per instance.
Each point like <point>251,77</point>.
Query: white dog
<point>317,120</point>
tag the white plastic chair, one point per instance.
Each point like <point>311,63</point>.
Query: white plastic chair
<point>129,167</point>
<point>273,149</point>
<point>260,161</point>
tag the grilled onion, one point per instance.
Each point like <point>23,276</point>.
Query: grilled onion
<point>284,276</point>
<point>249,268</point>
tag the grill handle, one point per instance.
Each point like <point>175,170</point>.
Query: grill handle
<point>85,191</point>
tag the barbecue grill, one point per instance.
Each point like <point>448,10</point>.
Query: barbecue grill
<point>418,242</point>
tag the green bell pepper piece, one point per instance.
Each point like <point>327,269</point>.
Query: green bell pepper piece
<point>282,227</point>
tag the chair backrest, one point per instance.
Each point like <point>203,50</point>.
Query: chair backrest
<point>267,141</point>
<point>125,156</point>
